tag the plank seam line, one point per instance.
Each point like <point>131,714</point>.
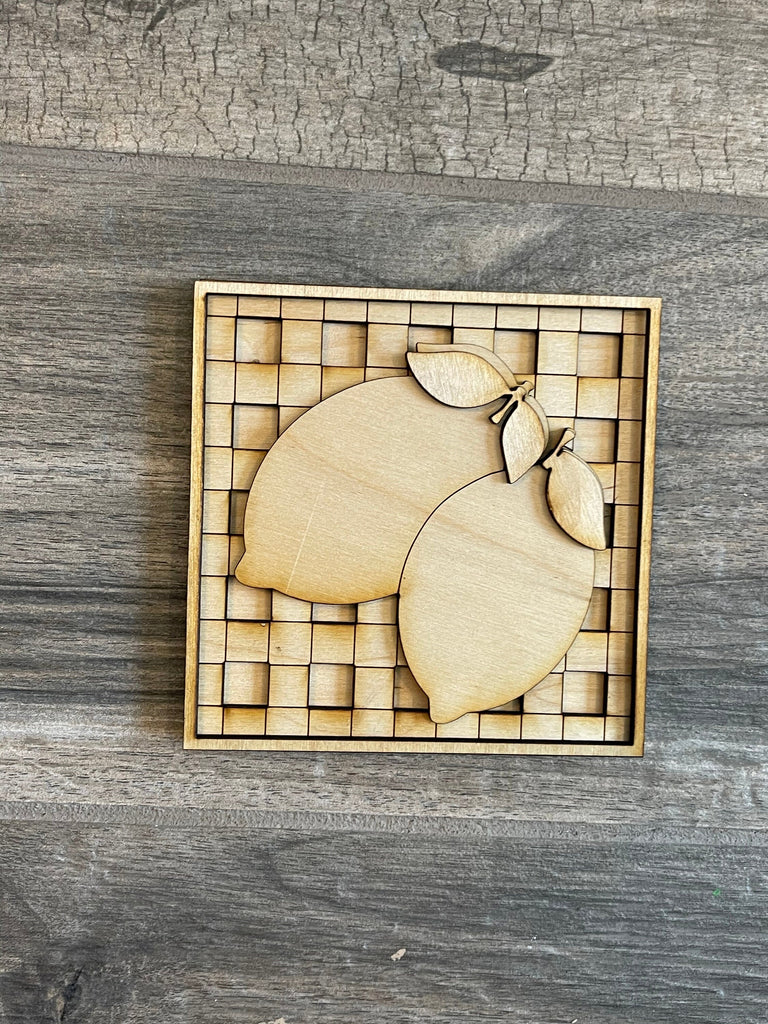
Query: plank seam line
<point>490,190</point>
<point>41,813</point>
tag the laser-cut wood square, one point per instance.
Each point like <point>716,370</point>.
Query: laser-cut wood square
<point>374,647</point>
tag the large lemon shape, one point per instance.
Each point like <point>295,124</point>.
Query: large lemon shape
<point>340,496</point>
<point>493,594</point>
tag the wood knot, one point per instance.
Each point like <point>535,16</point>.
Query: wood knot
<point>481,61</point>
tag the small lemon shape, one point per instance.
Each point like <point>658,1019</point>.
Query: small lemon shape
<point>492,595</point>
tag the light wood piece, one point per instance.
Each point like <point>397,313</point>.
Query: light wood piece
<point>525,433</point>
<point>340,496</point>
<point>377,703</point>
<point>518,350</point>
<point>558,351</point>
<point>258,306</point>
<point>575,495</point>
<point>459,375</point>
<point>492,595</point>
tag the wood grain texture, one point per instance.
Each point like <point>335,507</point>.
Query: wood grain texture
<point>100,255</point>
<point>329,705</point>
<point>629,94</point>
<point>575,495</point>
<point>462,378</point>
<point>185,925</point>
<point>336,503</point>
<point>493,595</point>
<point>524,435</point>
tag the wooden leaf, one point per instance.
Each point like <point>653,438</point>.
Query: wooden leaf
<point>575,497</point>
<point>457,377</point>
<point>483,353</point>
<point>524,438</point>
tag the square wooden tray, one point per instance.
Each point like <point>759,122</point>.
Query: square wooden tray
<point>263,354</point>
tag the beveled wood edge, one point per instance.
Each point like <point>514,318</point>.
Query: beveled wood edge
<point>427,746</point>
<point>195,520</point>
<point>193,742</point>
<point>311,291</point>
<point>646,526</point>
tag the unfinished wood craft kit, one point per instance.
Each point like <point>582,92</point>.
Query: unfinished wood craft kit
<point>419,520</point>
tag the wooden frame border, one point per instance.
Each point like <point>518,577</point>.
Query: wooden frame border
<point>634,749</point>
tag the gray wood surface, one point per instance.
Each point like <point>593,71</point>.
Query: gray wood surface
<point>628,93</point>
<point>128,924</point>
<point>200,885</point>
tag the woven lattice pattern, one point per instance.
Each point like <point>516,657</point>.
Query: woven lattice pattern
<point>273,666</point>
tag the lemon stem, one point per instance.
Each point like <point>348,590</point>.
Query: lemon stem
<point>513,398</point>
<point>567,435</point>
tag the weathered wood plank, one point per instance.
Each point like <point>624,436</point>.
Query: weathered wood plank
<point>132,924</point>
<point>99,256</point>
<point>600,92</point>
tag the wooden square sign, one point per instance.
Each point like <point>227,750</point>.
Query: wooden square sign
<point>419,520</point>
